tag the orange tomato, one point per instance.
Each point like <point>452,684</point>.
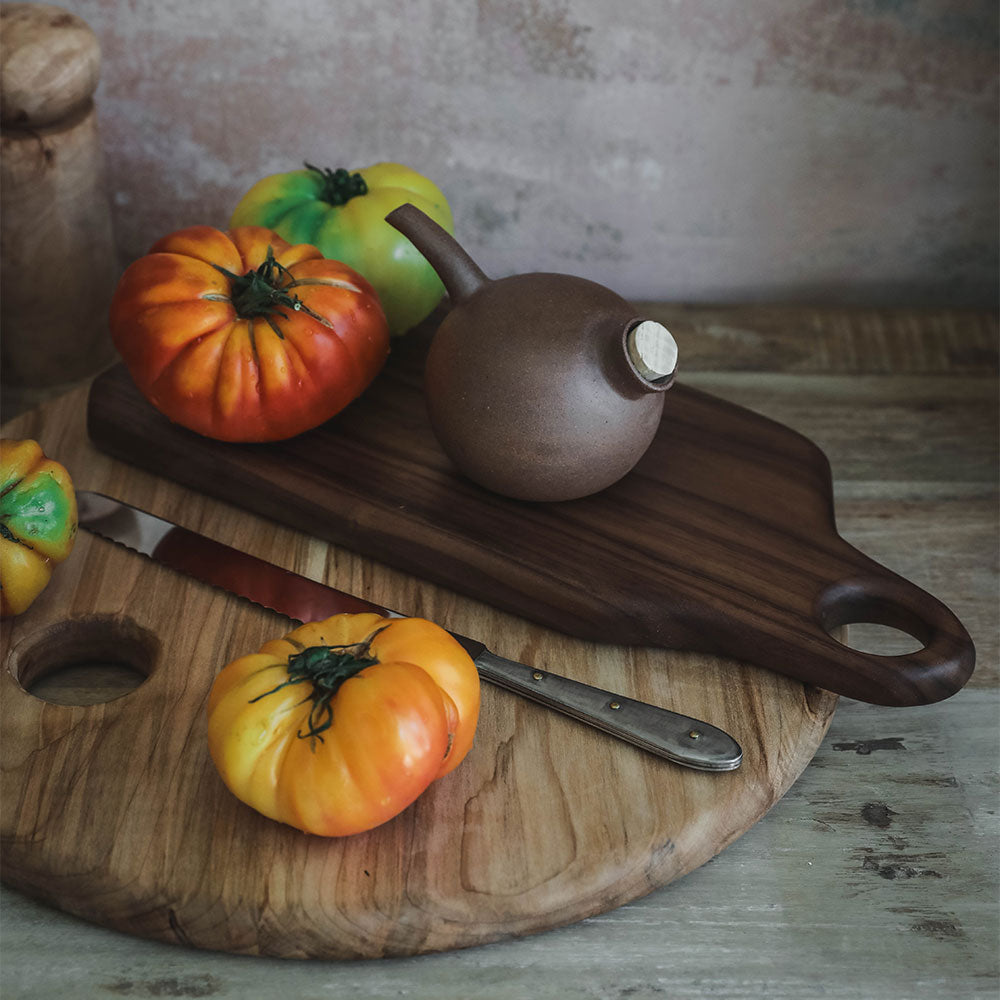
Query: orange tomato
<point>241,336</point>
<point>340,725</point>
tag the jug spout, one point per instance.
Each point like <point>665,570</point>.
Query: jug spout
<point>458,272</point>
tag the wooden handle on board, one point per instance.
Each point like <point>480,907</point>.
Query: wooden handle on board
<point>937,671</point>
<point>58,262</point>
<point>844,587</point>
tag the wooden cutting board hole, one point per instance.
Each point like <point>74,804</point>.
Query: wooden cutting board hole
<point>877,639</point>
<point>85,661</point>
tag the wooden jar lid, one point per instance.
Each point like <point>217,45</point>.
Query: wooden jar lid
<point>50,62</point>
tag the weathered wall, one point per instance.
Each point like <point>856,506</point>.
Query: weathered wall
<point>742,150</point>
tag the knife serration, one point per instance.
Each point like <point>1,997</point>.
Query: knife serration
<point>667,734</point>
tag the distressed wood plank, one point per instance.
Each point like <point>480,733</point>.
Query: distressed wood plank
<point>905,429</point>
<point>802,340</point>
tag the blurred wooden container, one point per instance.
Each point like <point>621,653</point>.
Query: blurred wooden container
<point>57,256</point>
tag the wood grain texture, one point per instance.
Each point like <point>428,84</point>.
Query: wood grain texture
<point>57,256</point>
<point>827,340</point>
<point>56,227</point>
<point>50,63</point>
<point>121,818</point>
<point>721,540</point>
<point>850,889</point>
<point>874,875</point>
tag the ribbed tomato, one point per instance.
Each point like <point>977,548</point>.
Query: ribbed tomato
<point>38,522</point>
<point>241,336</point>
<point>343,723</point>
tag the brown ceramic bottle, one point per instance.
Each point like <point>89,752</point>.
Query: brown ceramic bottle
<point>539,386</point>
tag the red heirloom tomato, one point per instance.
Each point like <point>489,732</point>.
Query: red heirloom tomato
<point>340,725</point>
<point>241,336</point>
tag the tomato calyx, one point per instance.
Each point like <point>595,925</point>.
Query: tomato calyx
<point>260,293</point>
<point>325,668</point>
<point>340,185</point>
<point>5,532</point>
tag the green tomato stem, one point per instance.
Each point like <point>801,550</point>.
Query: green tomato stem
<point>325,668</point>
<point>260,292</point>
<point>339,186</point>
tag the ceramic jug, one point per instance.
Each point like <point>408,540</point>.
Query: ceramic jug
<point>538,386</point>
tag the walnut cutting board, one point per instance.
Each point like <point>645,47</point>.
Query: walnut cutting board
<point>114,811</point>
<point>722,539</point>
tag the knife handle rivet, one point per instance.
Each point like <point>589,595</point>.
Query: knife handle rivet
<point>537,675</point>
<point>615,705</point>
<point>694,734</point>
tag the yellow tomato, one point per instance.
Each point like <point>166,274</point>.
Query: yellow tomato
<point>340,725</point>
<point>38,522</point>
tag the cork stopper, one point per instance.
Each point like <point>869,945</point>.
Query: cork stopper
<point>652,350</point>
<point>50,63</point>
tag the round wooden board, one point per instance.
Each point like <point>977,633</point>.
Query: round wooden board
<point>114,812</point>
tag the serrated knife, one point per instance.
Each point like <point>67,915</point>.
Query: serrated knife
<point>664,733</point>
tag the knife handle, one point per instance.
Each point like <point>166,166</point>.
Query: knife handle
<point>667,734</point>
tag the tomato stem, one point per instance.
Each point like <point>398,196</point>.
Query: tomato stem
<point>339,186</point>
<point>260,292</point>
<point>325,668</point>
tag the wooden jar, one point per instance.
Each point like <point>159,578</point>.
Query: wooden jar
<point>58,266</point>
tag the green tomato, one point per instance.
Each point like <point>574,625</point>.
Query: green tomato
<point>342,213</point>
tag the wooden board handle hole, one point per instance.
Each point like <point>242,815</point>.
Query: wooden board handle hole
<point>877,639</point>
<point>872,615</point>
<point>85,661</point>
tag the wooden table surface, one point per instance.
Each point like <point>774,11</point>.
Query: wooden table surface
<point>876,876</point>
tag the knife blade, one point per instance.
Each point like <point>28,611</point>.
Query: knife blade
<point>666,734</point>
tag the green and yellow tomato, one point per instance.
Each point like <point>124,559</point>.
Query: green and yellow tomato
<point>343,212</point>
<point>38,522</point>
